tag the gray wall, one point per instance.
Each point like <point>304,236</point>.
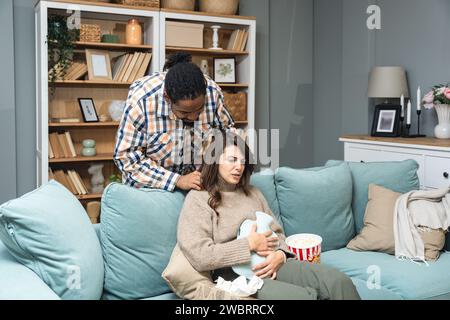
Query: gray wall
<point>7,104</point>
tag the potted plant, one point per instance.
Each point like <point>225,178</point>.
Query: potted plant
<point>61,44</point>
<point>439,99</point>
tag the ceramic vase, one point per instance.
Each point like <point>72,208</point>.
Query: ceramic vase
<point>442,130</point>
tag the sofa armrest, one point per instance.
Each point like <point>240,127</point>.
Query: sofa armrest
<point>17,282</point>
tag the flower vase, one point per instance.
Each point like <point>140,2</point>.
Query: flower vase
<point>442,130</point>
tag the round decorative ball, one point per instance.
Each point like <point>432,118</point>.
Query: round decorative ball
<point>89,143</point>
<point>88,152</point>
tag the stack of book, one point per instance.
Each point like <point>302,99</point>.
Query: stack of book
<point>60,145</point>
<point>238,40</point>
<point>76,71</point>
<point>131,66</point>
<point>71,180</point>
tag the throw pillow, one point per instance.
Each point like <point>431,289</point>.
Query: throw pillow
<point>378,231</point>
<point>49,231</point>
<point>399,176</point>
<point>317,201</point>
<point>138,232</point>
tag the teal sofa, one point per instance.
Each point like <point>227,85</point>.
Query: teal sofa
<point>138,233</point>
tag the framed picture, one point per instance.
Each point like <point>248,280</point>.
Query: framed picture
<point>99,64</point>
<point>88,110</point>
<point>225,70</point>
<point>386,121</point>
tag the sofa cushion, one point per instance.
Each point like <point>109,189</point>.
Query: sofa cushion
<point>20,283</point>
<point>138,232</point>
<point>49,231</point>
<point>317,201</point>
<point>407,279</point>
<point>398,176</point>
<point>265,182</point>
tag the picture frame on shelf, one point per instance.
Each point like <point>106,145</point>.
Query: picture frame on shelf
<point>386,121</point>
<point>88,110</point>
<point>224,70</point>
<point>99,65</point>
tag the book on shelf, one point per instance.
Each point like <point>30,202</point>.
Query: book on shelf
<point>73,153</point>
<point>51,176</point>
<point>238,40</point>
<point>72,186</point>
<point>123,68</point>
<point>118,65</point>
<point>76,71</point>
<point>62,178</point>
<point>74,180</point>
<point>64,145</point>
<point>51,155</point>
<point>136,67</point>
<point>130,67</point>
<point>56,147</point>
<point>144,66</point>
<point>83,186</point>
<point>65,120</point>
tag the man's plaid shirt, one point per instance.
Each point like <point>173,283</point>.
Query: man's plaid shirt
<point>151,141</point>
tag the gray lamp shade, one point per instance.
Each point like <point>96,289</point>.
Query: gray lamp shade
<point>388,82</point>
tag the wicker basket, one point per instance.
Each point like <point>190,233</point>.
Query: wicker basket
<point>141,3</point>
<point>179,4</point>
<point>236,104</point>
<point>228,7</point>
<point>90,33</point>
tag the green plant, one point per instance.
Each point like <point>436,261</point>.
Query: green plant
<point>61,45</point>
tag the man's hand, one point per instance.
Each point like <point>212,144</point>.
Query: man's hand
<point>190,181</point>
<point>268,268</point>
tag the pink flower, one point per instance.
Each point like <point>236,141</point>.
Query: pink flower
<point>429,98</point>
<point>447,93</point>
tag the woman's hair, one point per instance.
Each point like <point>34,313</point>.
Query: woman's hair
<point>184,79</point>
<point>219,141</point>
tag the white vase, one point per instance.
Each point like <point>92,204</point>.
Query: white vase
<point>442,130</point>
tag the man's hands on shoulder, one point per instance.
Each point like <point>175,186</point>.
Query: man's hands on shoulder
<point>190,181</point>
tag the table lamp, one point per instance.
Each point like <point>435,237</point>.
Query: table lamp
<point>389,82</point>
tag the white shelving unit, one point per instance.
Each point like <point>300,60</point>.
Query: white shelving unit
<point>154,21</point>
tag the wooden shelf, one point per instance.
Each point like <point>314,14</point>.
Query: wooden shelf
<point>83,124</point>
<point>198,13</point>
<point>241,122</point>
<point>112,46</point>
<point>84,83</point>
<point>111,5</point>
<point>233,85</point>
<point>99,157</point>
<point>208,51</point>
<point>89,196</point>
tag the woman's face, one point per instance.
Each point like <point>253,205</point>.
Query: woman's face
<point>231,165</point>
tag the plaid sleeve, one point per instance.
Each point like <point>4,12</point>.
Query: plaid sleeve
<point>224,118</point>
<point>137,169</point>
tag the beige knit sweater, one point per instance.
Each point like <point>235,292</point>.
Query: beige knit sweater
<point>209,241</point>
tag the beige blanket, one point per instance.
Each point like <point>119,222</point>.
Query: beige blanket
<point>416,210</point>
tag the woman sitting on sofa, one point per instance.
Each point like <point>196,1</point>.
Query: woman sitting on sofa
<point>210,220</point>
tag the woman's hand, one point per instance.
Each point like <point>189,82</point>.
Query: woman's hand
<point>268,268</point>
<point>262,241</point>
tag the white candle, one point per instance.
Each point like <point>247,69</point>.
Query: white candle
<point>408,119</point>
<point>402,103</point>
<point>419,99</point>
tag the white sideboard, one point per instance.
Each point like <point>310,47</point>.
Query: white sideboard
<point>432,155</point>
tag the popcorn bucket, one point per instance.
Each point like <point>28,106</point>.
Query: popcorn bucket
<point>305,247</point>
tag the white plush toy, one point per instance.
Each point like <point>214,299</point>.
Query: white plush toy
<point>263,221</point>
<point>97,179</point>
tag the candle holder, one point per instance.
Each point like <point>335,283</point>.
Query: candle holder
<point>408,127</point>
<point>215,38</point>
<point>402,119</point>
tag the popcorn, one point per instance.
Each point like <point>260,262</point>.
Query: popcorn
<point>305,247</point>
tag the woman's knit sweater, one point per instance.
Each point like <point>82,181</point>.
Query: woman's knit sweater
<point>209,241</point>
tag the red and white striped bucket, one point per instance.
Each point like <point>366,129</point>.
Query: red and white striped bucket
<point>305,246</point>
